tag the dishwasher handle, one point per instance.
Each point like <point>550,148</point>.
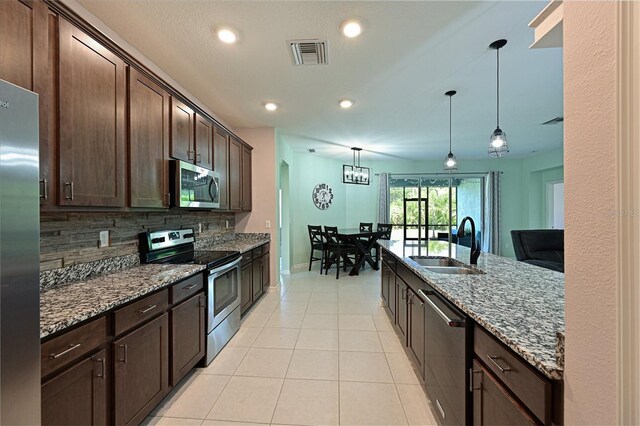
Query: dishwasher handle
<point>451,322</point>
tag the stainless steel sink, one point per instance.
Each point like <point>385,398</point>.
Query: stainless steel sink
<point>463,270</point>
<point>436,261</point>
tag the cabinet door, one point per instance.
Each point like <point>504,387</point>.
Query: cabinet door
<point>246,178</point>
<point>492,403</point>
<point>266,272</point>
<point>204,142</point>
<point>246,292</point>
<point>24,62</point>
<point>256,280</point>
<point>393,294</point>
<point>401,313</point>
<point>187,336</point>
<point>416,329</point>
<point>384,284</point>
<point>235,174</point>
<point>182,127</point>
<point>78,396</point>
<point>148,142</point>
<point>221,164</point>
<point>141,371</point>
<point>92,130</point>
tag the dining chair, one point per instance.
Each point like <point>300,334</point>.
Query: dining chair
<point>337,251</point>
<point>366,227</point>
<point>316,238</point>
<point>386,229</point>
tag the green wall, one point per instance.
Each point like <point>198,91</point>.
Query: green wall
<point>523,192</point>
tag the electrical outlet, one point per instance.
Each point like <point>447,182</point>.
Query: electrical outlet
<point>199,228</point>
<point>267,224</point>
<point>226,223</point>
<point>104,239</point>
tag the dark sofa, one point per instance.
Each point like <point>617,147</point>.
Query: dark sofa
<point>540,247</point>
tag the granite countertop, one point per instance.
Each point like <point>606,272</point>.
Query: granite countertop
<point>241,242</point>
<point>65,305</point>
<point>521,304</point>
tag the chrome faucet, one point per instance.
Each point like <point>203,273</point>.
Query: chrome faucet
<point>475,245</point>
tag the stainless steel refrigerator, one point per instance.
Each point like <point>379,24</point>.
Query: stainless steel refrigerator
<point>19,257</point>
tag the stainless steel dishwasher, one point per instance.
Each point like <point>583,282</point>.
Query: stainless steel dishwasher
<point>446,358</point>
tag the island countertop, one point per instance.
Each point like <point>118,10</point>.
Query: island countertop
<point>520,304</point>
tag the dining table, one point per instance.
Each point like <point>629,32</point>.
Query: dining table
<point>364,241</point>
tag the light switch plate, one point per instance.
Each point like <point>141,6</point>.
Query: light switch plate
<point>199,228</point>
<point>267,224</point>
<point>104,239</point>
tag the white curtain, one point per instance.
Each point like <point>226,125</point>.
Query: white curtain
<point>383,198</point>
<point>491,240</point>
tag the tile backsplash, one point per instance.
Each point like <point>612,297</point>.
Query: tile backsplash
<point>68,239</point>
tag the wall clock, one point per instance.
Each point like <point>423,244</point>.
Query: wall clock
<point>322,196</point>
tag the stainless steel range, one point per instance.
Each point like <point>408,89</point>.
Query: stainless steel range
<point>223,279</point>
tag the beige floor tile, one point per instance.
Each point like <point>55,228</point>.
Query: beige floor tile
<point>256,319</point>
<point>382,322</point>
<point>308,402</point>
<point>194,400</point>
<point>370,404</point>
<point>227,361</point>
<point>245,336</point>
<point>170,421</point>
<point>390,342</point>
<point>263,362</point>
<point>401,369</point>
<point>354,308</point>
<point>359,341</point>
<point>322,308</point>
<point>320,321</point>
<point>228,423</point>
<point>324,298</point>
<point>377,308</point>
<point>318,339</point>
<point>416,405</point>
<point>364,367</point>
<point>282,338</point>
<point>247,399</point>
<point>294,307</point>
<point>301,288</point>
<point>285,320</point>
<point>296,297</point>
<point>319,365</point>
<point>356,322</point>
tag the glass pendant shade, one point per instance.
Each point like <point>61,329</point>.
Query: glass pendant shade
<point>498,144</point>
<point>355,173</point>
<point>450,163</point>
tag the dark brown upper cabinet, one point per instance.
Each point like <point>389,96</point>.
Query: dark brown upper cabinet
<point>92,121</point>
<point>182,132</point>
<point>246,178</point>
<point>24,62</point>
<point>148,142</point>
<point>204,142</point>
<point>235,174</point>
<point>221,163</point>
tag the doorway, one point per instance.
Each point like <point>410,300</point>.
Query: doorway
<point>284,231</point>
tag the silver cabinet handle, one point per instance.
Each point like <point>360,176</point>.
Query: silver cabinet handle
<point>101,374</point>
<point>494,359</point>
<point>471,373</point>
<point>190,287</point>
<point>198,158</point>
<point>457,322</point>
<point>71,347</point>
<point>124,355</point>
<point>403,293</point>
<point>70,186</point>
<point>189,152</point>
<point>147,309</point>
<point>45,189</point>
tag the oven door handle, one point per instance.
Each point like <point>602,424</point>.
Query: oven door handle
<point>225,268</point>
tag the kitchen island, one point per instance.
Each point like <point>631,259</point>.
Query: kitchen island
<point>514,312</point>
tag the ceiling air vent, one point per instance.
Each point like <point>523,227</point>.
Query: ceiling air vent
<point>308,52</point>
<point>559,119</point>
<point>312,150</point>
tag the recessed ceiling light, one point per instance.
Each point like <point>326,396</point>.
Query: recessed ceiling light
<point>351,28</point>
<point>270,106</point>
<point>346,103</point>
<point>227,35</point>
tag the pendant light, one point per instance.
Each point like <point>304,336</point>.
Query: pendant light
<point>498,141</point>
<point>355,173</point>
<point>450,163</point>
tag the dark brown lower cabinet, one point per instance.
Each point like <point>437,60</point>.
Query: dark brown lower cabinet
<point>187,336</point>
<point>266,272</point>
<point>256,278</point>
<point>492,403</point>
<point>415,337</point>
<point>141,367</point>
<point>401,314</point>
<point>78,395</point>
<point>384,284</point>
<point>246,292</point>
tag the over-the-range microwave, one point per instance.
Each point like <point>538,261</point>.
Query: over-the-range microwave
<point>194,187</point>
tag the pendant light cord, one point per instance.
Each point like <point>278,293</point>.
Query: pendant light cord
<point>498,88</point>
<point>450,123</point>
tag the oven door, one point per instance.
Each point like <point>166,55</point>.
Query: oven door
<point>223,293</point>
<point>195,187</point>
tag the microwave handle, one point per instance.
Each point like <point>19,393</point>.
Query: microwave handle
<point>214,194</point>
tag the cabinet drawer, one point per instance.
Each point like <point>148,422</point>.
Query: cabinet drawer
<point>526,383</point>
<point>59,351</point>
<point>257,252</point>
<point>186,288</point>
<point>140,311</point>
<point>247,258</point>
<point>389,260</point>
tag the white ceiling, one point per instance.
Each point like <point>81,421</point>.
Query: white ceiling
<point>397,71</point>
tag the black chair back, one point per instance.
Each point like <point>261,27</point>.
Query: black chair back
<point>315,234</point>
<point>541,247</point>
<point>331,234</point>
<point>366,227</point>
<point>386,228</point>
